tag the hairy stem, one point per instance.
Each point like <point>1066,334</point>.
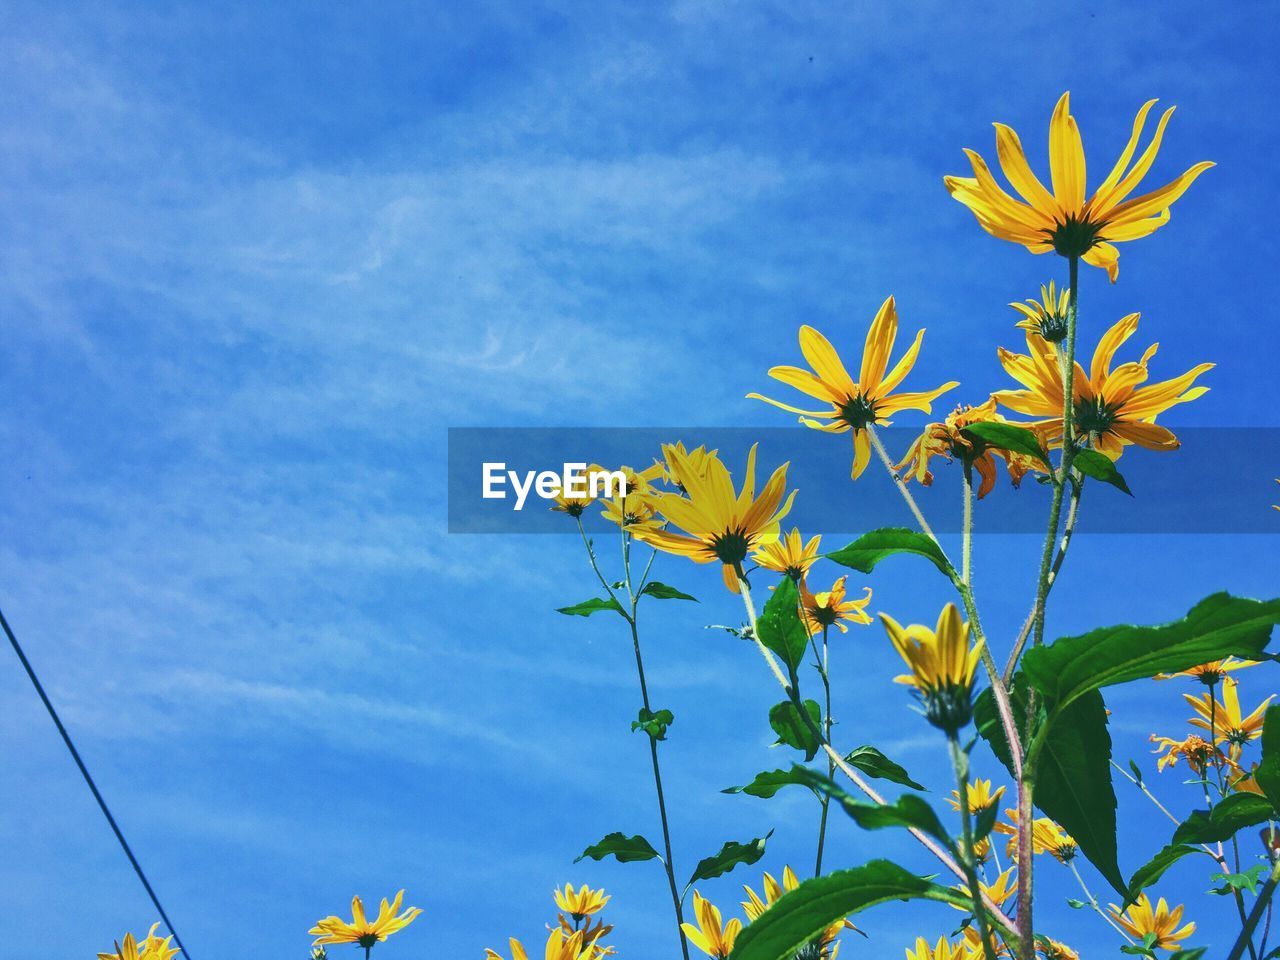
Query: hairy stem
<point>831,767</point>
<point>960,762</point>
<point>1260,907</point>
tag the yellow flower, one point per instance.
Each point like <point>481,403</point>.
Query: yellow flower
<point>560,946</point>
<point>948,439</point>
<point>155,947</point>
<point>830,608</point>
<point>1048,315</point>
<point>1211,673</point>
<point>572,504</point>
<point>1046,837</point>
<point>1110,406</point>
<point>633,507</point>
<point>755,905</point>
<point>580,903</point>
<point>998,891</point>
<point>1195,750</point>
<point>979,795</point>
<point>719,523</point>
<point>1053,950</point>
<point>697,460</point>
<point>1140,920</point>
<point>126,949</point>
<point>710,936</point>
<point>789,555</point>
<point>942,666</point>
<point>1064,220</point>
<point>981,850</point>
<point>861,404</point>
<point>973,944</point>
<point>360,930</point>
<point>1230,725</point>
<point>1248,783</point>
<point>945,950</point>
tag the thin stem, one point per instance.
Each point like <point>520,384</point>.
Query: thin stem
<point>1093,902</point>
<point>831,767</point>
<point>1259,908</point>
<point>960,761</point>
<point>834,755</point>
<point>966,549</point>
<point>902,486</point>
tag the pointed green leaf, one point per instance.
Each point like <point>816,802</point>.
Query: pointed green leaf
<point>907,811</point>
<point>1268,775</point>
<point>654,724</point>
<point>791,729</point>
<point>799,916</point>
<point>731,855</point>
<point>985,821</point>
<point>781,629</point>
<point>870,548</point>
<point>1100,467</point>
<point>1233,814</point>
<point>1155,868</point>
<point>626,849</point>
<point>587,607</point>
<point>1006,436</point>
<point>769,782</point>
<point>655,588</point>
<point>874,763</point>
<point>1218,626</point>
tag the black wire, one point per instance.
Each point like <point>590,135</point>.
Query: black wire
<point>75,755</point>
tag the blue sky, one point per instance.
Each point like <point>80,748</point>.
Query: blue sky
<point>257,259</point>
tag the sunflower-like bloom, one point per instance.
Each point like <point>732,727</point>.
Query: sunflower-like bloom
<point>152,947</point>
<point>632,508</point>
<point>1048,315</point>
<point>560,946</point>
<point>972,940</point>
<point>1046,837</point>
<point>573,504</point>
<point>855,405</point>
<point>789,555</point>
<point>1197,751</point>
<point>1227,721</point>
<point>697,460</point>
<point>1140,919</point>
<point>720,524</point>
<point>830,608</point>
<point>126,949</point>
<point>944,950</point>
<point>981,850</point>
<point>826,944</point>
<point>979,797</point>
<point>949,440</point>
<point>998,891</point>
<point>942,666</point>
<point>580,903</point>
<point>710,935</point>
<point>1064,220</point>
<point>1212,673</point>
<point>1055,950</point>
<point>360,930</point>
<point>1110,407</point>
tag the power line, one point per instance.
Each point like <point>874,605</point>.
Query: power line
<point>75,755</point>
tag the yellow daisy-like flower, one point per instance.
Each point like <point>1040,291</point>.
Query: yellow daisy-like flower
<point>126,949</point>
<point>948,440</point>
<point>1197,751</point>
<point>981,850</point>
<point>580,903</point>
<point>360,930</point>
<point>1064,220</point>
<point>754,906</point>
<point>1054,950</point>
<point>560,946</point>
<point>1140,919</point>
<point>1046,837</point>
<point>152,947</point>
<point>830,608</point>
<point>1048,315</point>
<point>632,508</point>
<point>855,405</point>
<point>1210,674</point>
<point>710,935</point>
<point>998,891</point>
<point>1110,407</point>
<point>942,666</point>
<point>944,950</point>
<point>696,459</point>
<point>719,523</point>
<point>1229,723</point>
<point>979,796</point>
<point>973,944</point>
<point>789,555</point>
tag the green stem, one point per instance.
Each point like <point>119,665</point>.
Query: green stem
<point>966,548</point>
<point>831,767</point>
<point>1259,908</point>
<point>960,761</point>
<point>1093,902</point>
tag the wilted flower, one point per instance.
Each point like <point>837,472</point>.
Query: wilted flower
<point>950,440</point>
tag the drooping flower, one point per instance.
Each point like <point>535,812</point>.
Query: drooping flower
<point>1064,220</point>
<point>360,930</point>
<point>580,903</point>
<point>711,935</point>
<point>950,440</point>
<point>855,405</point>
<point>1212,673</point>
<point>979,796</point>
<point>942,665</point>
<point>830,608</point>
<point>1197,751</point>
<point>1110,407</point>
<point>1048,315</point>
<point>1228,722</point>
<point>944,950</point>
<point>1046,837</point>
<point>826,945</point>
<point>789,555</point>
<point>719,523</point>
<point>1140,919</point>
<point>156,947</point>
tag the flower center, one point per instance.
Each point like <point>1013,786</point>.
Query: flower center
<point>367,940</point>
<point>1053,328</point>
<point>858,412</point>
<point>731,547</point>
<point>1075,237</point>
<point>1093,415</point>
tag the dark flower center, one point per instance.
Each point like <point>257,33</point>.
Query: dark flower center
<point>731,547</point>
<point>1093,416</point>
<point>367,940</point>
<point>1075,237</point>
<point>858,412</point>
<point>1053,328</point>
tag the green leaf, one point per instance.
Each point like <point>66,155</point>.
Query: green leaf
<point>731,855</point>
<point>655,588</point>
<point>1268,773</point>
<point>587,607</point>
<point>626,849</point>
<point>1006,436</point>
<point>870,548</point>
<point>799,916</point>
<point>1076,904</point>
<point>1073,774</point>
<point>1248,880</point>
<point>791,729</point>
<point>769,782</point>
<point>1233,814</point>
<point>1218,626</point>
<point>780,627</point>
<point>1155,868</point>
<point>874,763</point>
<point>654,724</point>
<point>1194,953</point>
<point>1100,467</point>
<point>985,822</point>
<point>907,811</point>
